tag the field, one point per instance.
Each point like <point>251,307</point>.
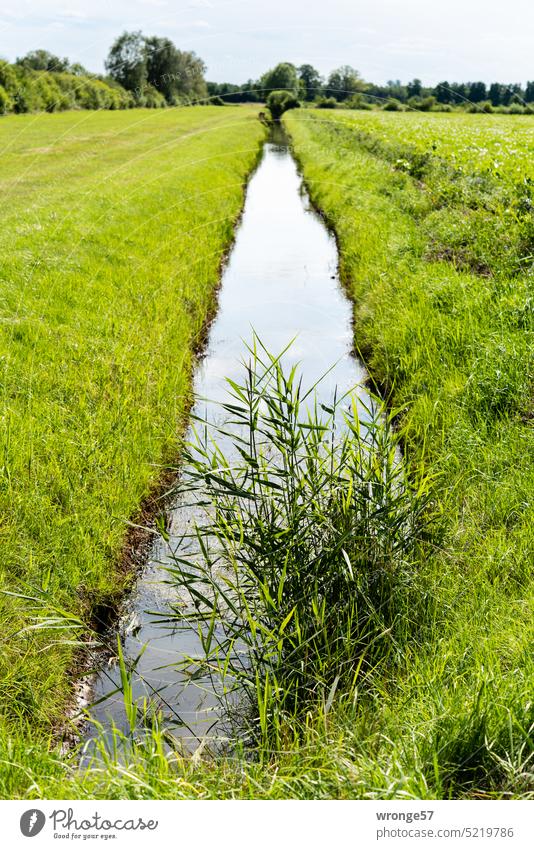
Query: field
<point>498,145</point>
<point>438,259</point>
<point>111,252</point>
<point>113,230</point>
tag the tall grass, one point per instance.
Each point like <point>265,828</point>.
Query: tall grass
<point>452,341</point>
<point>301,575</point>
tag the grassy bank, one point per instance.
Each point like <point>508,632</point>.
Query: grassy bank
<point>114,226</point>
<point>437,257</point>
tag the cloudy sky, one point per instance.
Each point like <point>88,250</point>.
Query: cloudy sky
<point>239,39</point>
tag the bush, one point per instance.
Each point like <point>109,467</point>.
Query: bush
<point>27,90</point>
<point>279,102</point>
<point>357,101</point>
<point>484,107</point>
<point>327,103</point>
<point>422,104</point>
<point>6,104</point>
<point>393,105</point>
<point>8,78</point>
<point>151,98</point>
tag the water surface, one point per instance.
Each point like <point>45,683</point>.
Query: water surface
<point>281,281</point>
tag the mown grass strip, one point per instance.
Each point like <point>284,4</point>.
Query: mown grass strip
<point>114,227</point>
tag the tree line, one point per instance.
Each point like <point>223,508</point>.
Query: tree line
<point>141,71</point>
<point>344,84</point>
<point>150,71</point>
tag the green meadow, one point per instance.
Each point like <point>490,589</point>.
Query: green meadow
<point>436,246</point>
<point>114,226</point>
<point>402,652</point>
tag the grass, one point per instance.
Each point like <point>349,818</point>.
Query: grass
<point>451,340</point>
<point>114,227</point>
<point>445,707</point>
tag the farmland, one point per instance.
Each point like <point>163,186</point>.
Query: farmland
<point>498,145</point>
<point>114,227</point>
<point>111,243</point>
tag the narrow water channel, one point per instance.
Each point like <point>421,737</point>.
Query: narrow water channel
<point>281,281</point>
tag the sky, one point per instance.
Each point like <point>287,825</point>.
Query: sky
<point>458,40</point>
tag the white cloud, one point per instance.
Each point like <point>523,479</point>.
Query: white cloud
<point>239,39</point>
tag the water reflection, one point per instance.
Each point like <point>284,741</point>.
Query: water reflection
<point>282,281</point>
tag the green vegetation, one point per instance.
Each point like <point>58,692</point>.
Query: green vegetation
<point>308,563</point>
<point>145,72</point>
<point>114,226</point>
<point>345,88</point>
<point>438,258</point>
<point>25,89</point>
<point>279,102</point>
<point>399,663</point>
<point>139,63</point>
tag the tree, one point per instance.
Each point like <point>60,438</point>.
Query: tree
<point>495,94</point>
<point>126,62</point>
<point>477,92</point>
<point>161,65</point>
<point>442,92</point>
<point>279,102</point>
<point>42,60</point>
<point>283,76</point>
<point>415,88</point>
<point>175,73</point>
<point>79,70</point>
<point>380,94</point>
<point>191,69</point>
<point>344,82</point>
<point>529,92</point>
<point>516,93</point>
<point>311,81</point>
<point>135,61</point>
<point>459,93</point>
<point>396,89</point>
<point>508,91</point>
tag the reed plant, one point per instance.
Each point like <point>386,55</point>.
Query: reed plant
<point>300,572</point>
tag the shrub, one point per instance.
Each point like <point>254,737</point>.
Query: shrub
<point>393,105</point>
<point>8,78</point>
<point>279,102</point>
<point>357,101</point>
<point>327,103</point>
<point>34,91</point>
<point>152,98</point>
<point>484,106</point>
<point>6,103</point>
<point>422,104</point>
